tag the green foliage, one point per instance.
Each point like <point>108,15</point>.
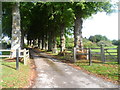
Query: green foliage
<point>38,19</point>
<point>69,42</point>
<point>7,19</point>
<point>115,42</point>
<point>88,44</point>
<point>92,38</point>
<point>97,38</point>
<point>105,43</point>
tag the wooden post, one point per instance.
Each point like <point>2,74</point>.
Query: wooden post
<point>25,59</point>
<point>87,51</point>
<point>17,59</point>
<point>90,61</point>
<point>74,55</point>
<point>102,54</point>
<point>118,53</point>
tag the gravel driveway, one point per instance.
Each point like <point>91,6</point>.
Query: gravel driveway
<point>55,74</point>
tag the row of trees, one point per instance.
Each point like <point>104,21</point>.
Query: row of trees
<point>45,22</point>
<point>97,38</point>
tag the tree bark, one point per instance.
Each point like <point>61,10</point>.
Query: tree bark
<point>33,42</point>
<point>54,49</point>
<point>30,42</point>
<point>78,33</point>
<point>22,39</point>
<point>43,42</point>
<point>39,42</point>
<point>62,38</point>
<point>50,42</point>
<point>16,32</point>
<point>46,42</point>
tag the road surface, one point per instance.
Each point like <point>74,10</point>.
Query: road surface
<point>54,74</point>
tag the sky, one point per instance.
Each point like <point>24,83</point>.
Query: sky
<point>106,25</point>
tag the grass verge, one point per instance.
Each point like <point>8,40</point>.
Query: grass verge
<point>108,71</point>
<point>12,78</point>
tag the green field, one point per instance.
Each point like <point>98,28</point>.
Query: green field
<point>6,53</point>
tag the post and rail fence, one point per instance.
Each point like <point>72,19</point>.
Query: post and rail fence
<point>19,53</point>
<point>104,54</point>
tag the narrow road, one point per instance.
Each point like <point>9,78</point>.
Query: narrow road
<point>55,74</point>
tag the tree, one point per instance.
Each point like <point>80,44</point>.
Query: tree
<point>47,21</point>
<point>105,43</point>
<point>92,38</point>
<point>7,19</point>
<point>97,38</point>
<point>16,30</point>
<point>82,11</point>
<point>115,42</point>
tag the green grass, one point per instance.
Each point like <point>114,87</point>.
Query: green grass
<point>12,78</point>
<point>6,53</point>
<point>108,70</point>
<point>109,57</point>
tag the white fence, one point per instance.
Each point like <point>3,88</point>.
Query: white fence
<point>22,53</point>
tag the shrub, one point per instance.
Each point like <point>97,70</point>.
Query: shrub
<point>105,43</point>
<point>89,44</point>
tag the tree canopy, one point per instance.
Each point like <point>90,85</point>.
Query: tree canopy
<point>46,21</point>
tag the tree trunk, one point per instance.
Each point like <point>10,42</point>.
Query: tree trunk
<point>54,49</point>
<point>46,42</point>
<point>22,39</point>
<point>30,42</point>
<point>50,42</point>
<point>62,38</point>
<point>16,32</point>
<point>78,33</point>
<point>39,42</point>
<point>43,42</point>
<point>33,42</point>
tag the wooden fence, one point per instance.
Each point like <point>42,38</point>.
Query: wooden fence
<point>21,53</point>
<point>103,54</point>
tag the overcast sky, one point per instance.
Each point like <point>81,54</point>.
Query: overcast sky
<point>101,24</point>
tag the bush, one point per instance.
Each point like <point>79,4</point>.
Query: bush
<point>69,43</point>
<point>105,43</point>
<point>89,44</point>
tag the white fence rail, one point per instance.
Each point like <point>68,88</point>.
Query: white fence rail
<point>22,53</point>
